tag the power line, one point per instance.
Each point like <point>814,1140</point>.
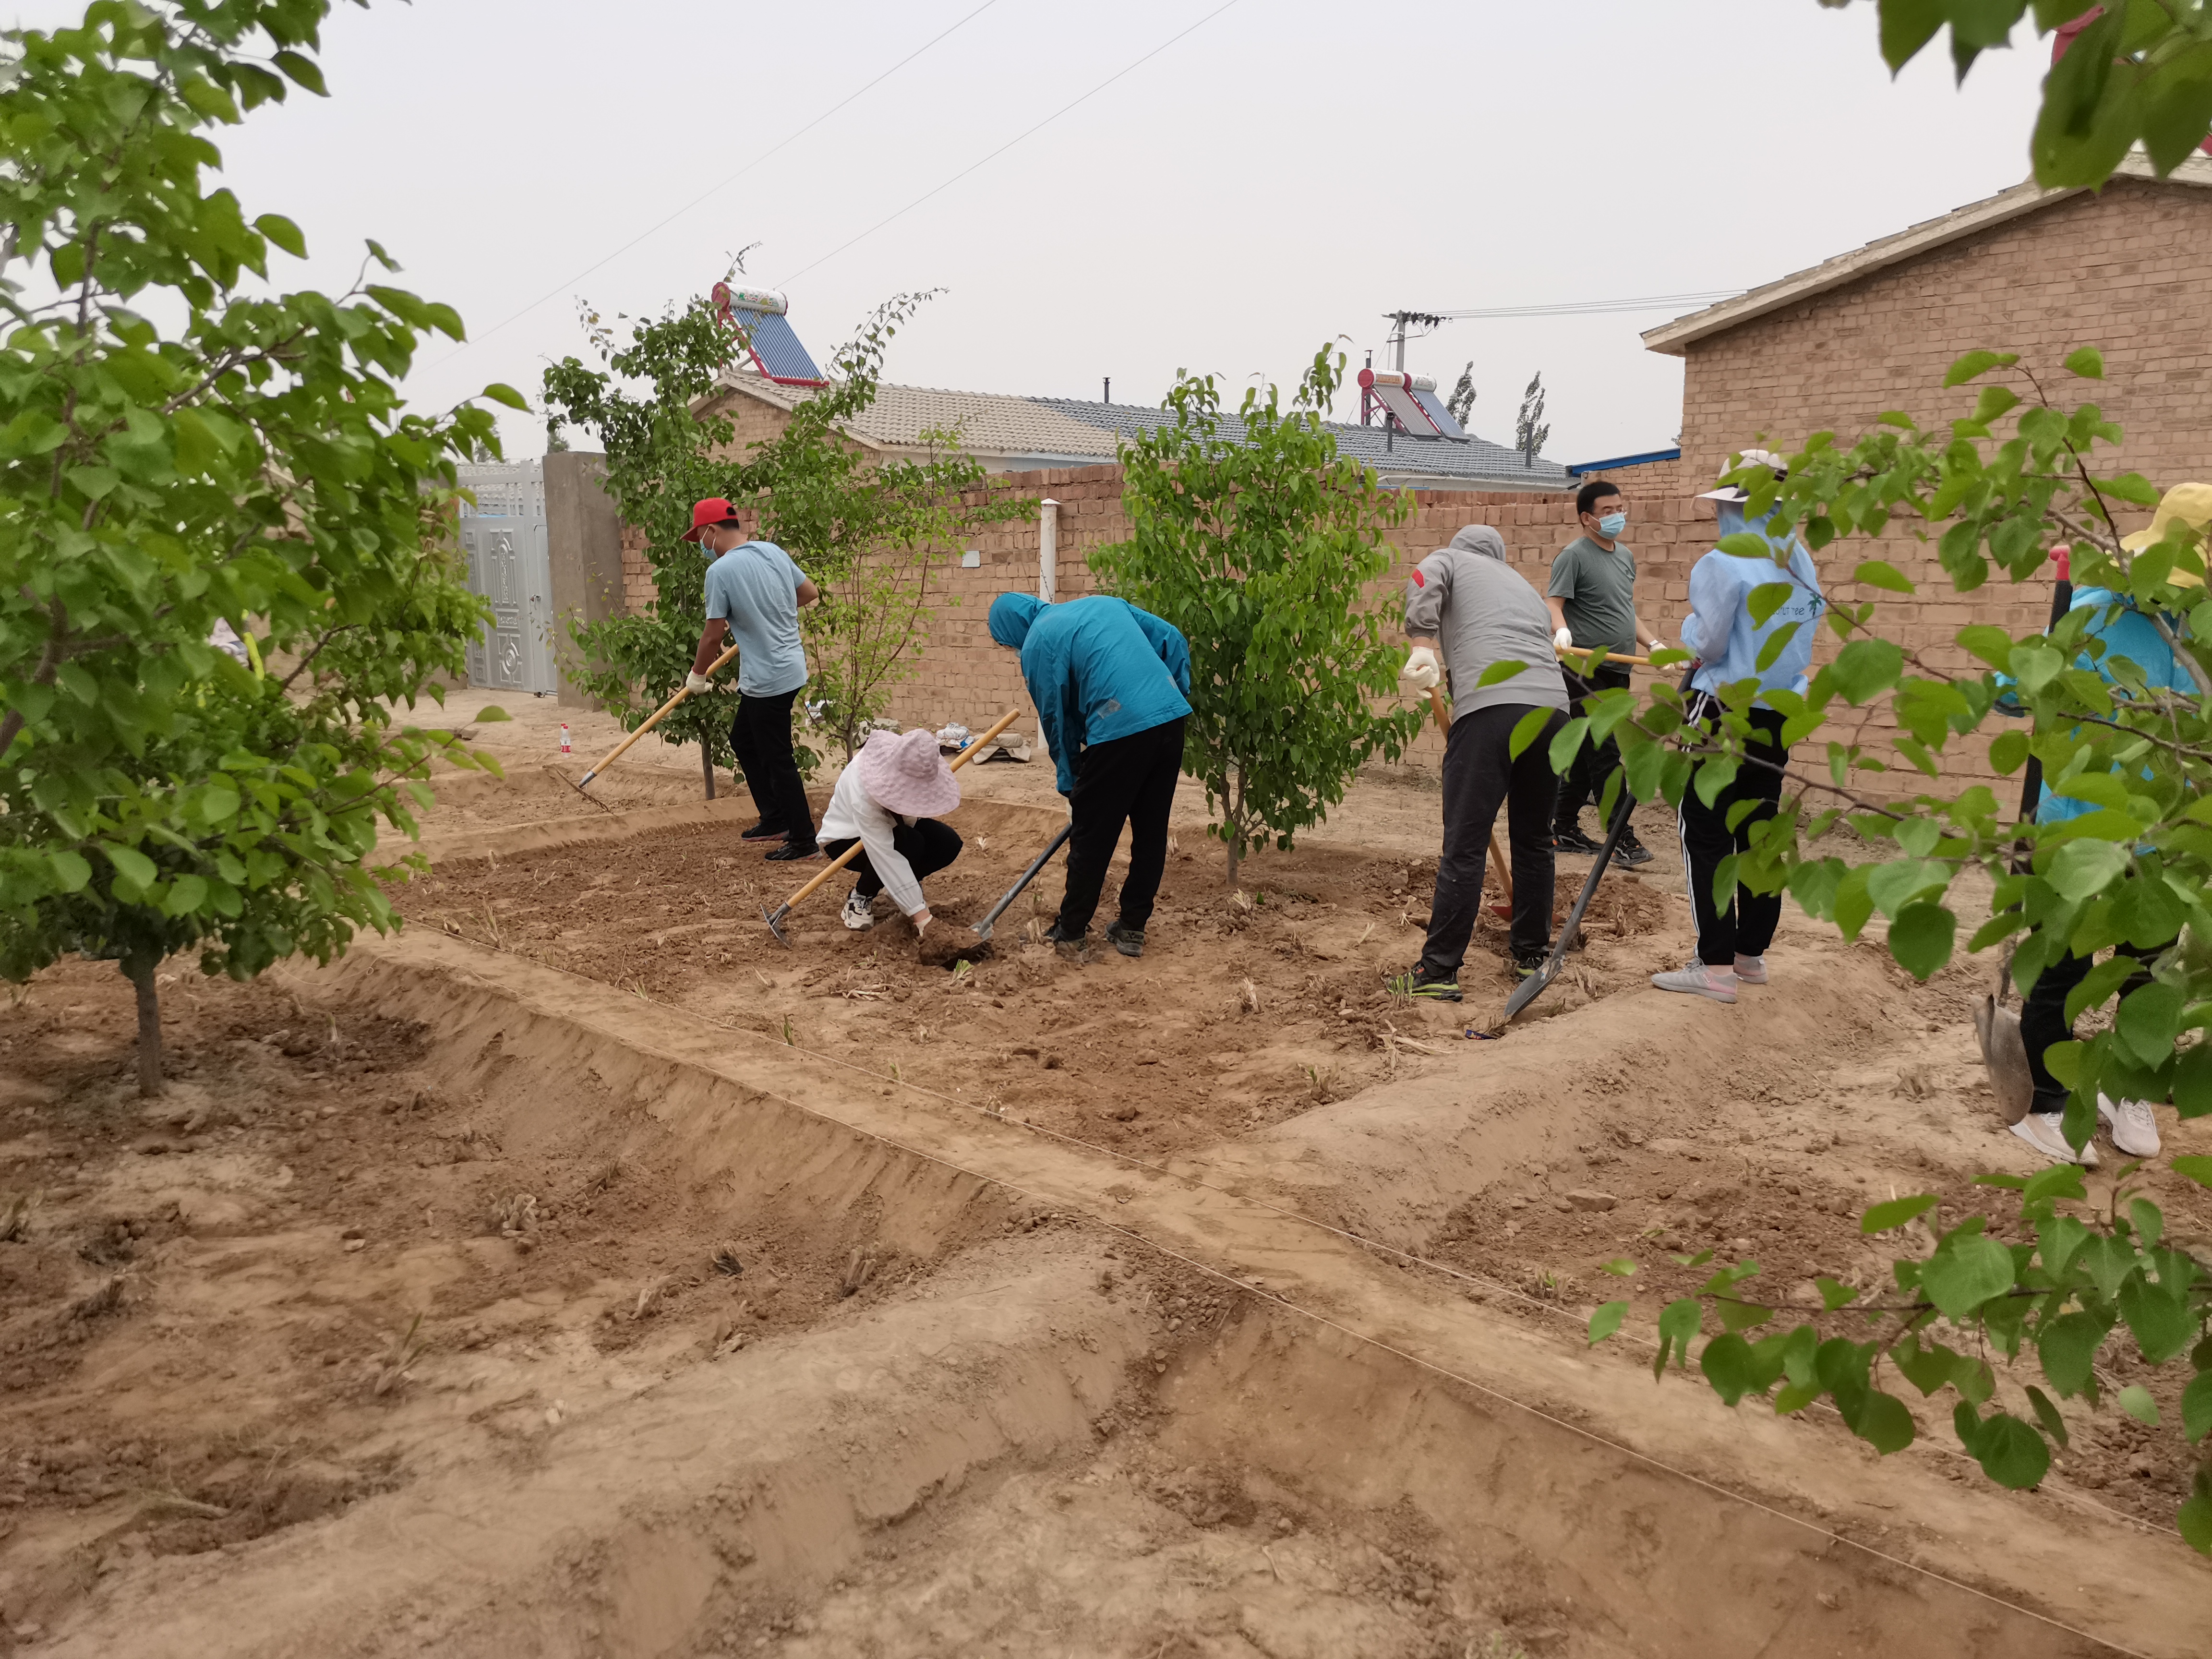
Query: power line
<point>785,282</point>
<point>1592,307</point>
<point>715,190</point>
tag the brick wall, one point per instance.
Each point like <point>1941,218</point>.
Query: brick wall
<point>2128,271</point>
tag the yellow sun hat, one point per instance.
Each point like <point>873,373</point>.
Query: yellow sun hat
<point>2192,503</point>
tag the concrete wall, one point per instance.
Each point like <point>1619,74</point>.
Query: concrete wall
<point>583,537</point>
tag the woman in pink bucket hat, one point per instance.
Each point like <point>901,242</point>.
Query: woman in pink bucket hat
<point>888,800</point>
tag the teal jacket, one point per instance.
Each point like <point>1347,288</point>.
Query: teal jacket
<point>1096,668</point>
<point>2131,635</point>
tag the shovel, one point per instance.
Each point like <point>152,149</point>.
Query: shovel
<point>1499,860</point>
<point>1533,987</point>
<point>776,918</point>
<point>983,927</point>
<point>658,715</point>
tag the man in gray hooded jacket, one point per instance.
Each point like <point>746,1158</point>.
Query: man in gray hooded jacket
<point>1467,603</point>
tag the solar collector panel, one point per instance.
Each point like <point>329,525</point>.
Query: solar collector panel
<point>1439,415</point>
<point>776,348</point>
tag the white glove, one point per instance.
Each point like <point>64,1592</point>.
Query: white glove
<point>1656,644</point>
<point>1563,639</point>
<point>695,683</point>
<point>1421,671</point>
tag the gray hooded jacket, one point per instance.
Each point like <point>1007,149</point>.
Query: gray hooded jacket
<point>1483,611</point>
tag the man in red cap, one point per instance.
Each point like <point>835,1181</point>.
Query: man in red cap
<point>753,592</point>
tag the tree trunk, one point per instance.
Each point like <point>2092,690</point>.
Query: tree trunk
<point>140,972</point>
<point>707,766</point>
<point>1232,799</point>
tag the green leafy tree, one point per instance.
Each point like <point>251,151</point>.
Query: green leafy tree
<point>2140,73</point>
<point>871,533</point>
<point>1261,542</point>
<point>247,459</point>
<point>1991,492</point>
<point>2073,1283</point>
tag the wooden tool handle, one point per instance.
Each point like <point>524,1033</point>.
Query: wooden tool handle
<point>1610,657</point>
<point>658,715</point>
<point>854,851</point>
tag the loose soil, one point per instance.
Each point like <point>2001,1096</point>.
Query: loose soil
<point>584,1274</point>
<point>1246,1008</point>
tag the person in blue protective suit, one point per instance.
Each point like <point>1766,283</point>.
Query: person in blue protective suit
<point>1732,941</point>
<point>1111,684</point>
<point>2127,634</point>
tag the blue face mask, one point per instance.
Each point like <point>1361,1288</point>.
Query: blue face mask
<point>1611,524</point>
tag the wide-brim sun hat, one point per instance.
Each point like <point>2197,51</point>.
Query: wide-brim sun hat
<point>1765,458</point>
<point>904,773</point>
<point>2192,503</point>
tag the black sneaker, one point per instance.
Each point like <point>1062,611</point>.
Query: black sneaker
<point>1417,982</point>
<point>1068,944</point>
<point>1533,963</point>
<point>1130,941</point>
<point>791,852</point>
<point>1631,851</point>
<point>1572,841</point>
<point>764,832</point>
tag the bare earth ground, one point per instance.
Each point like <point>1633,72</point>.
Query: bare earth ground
<point>584,1274</point>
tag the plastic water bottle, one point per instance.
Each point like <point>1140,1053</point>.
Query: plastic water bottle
<point>564,740</point>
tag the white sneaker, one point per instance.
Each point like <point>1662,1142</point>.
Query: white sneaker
<point>2040,1131</point>
<point>1699,979</point>
<point>2135,1131</point>
<point>859,912</point>
<point>1751,970</point>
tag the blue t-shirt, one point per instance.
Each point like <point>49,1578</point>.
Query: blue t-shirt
<point>755,588</point>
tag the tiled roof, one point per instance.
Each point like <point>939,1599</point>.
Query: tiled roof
<point>1067,430</point>
<point>1676,337</point>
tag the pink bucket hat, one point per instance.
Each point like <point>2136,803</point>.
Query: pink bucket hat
<point>903,774</point>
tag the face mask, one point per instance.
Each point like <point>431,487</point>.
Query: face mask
<point>1611,524</point>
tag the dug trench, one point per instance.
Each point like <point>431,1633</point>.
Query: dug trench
<point>408,1320</point>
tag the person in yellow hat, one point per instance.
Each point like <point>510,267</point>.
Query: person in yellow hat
<point>2128,633</point>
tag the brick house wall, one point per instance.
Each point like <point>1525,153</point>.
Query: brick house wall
<point>2129,271</point>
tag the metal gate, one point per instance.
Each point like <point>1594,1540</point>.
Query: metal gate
<point>511,565</point>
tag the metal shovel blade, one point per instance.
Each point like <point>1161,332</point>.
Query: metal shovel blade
<point>1533,987</point>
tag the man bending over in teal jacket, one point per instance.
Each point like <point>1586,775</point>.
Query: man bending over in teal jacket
<point>1111,686</point>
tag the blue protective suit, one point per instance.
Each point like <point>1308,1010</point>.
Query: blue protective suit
<point>1719,628</point>
<point>1096,668</point>
<point>2129,635</point>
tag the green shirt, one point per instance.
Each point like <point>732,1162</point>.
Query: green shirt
<point>1598,591</point>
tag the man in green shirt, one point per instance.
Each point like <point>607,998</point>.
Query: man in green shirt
<point>1593,602</point>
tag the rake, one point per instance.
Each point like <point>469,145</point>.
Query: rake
<point>658,715</point>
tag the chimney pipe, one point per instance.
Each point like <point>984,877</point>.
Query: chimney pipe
<point>1048,550</point>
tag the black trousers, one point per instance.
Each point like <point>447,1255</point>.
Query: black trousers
<point>1129,779</point>
<point>1747,927</point>
<point>1584,780</point>
<point>926,844</point>
<point>761,738</point>
<point>1480,775</point>
<point>2043,1019</point>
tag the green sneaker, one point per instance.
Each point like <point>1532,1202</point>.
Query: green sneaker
<point>1525,966</point>
<point>1417,982</point>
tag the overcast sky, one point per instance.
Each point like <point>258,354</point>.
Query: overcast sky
<point>1283,174</point>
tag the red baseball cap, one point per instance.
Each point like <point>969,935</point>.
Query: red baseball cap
<point>713,511</point>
